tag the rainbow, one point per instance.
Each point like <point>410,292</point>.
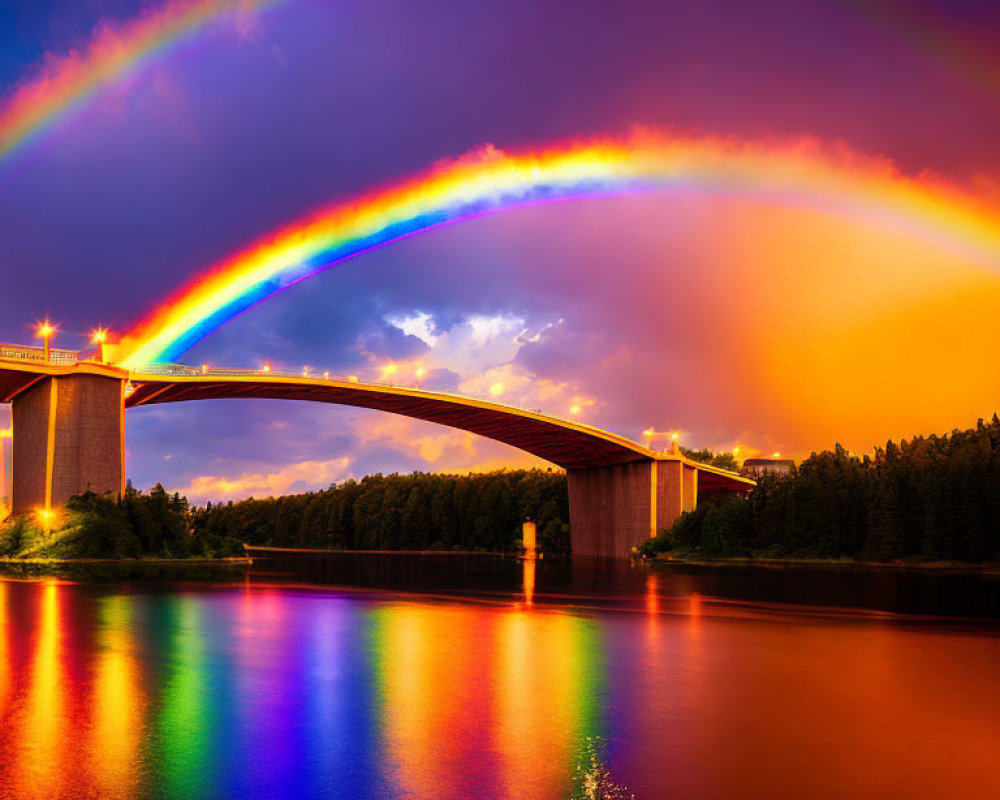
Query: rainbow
<point>800,174</point>
<point>67,83</point>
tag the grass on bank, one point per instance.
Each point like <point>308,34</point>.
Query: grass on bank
<point>139,525</point>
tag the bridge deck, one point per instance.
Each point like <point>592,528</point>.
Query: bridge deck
<point>569,444</point>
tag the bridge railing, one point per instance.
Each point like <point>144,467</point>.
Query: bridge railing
<point>184,370</point>
<point>36,355</point>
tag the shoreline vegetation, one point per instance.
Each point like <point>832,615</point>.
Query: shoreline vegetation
<point>152,528</point>
<point>420,511</point>
<point>929,502</point>
<point>416,513</point>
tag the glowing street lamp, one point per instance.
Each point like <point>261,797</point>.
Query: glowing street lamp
<point>266,369</point>
<point>99,337</point>
<point>45,333</point>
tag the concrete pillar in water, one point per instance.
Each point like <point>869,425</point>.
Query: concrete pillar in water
<point>612,509</point>
<point>68,434</point>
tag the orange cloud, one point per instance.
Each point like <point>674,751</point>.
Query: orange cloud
<point>288,479</point>
<point>442,449</point>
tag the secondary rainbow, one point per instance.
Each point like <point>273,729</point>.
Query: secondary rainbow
<point>803,174</point>
<point>68,83</point>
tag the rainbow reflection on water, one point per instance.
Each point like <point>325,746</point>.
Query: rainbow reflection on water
<point>270,691</point>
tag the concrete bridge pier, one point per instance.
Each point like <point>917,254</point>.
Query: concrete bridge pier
<point>68,437</point>
<point>614,508</point>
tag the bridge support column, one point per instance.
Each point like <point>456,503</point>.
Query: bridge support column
<point>612,509</point>
<point>68,437</point>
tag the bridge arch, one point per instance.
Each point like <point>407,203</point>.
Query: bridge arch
<point>69,436</point>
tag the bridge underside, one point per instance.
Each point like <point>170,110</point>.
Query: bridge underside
<point>567,444</point>
<point>68,438</point>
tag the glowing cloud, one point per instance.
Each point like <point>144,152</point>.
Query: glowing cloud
<point>291,478</point>
<point>800,175</point>
<point>67,83</point>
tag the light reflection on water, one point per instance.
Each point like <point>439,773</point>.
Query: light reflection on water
<point>261,690</point>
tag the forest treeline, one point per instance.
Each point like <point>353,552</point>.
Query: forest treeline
<point>928,498</point>
<point>404,512</point>
<point>136,525</point>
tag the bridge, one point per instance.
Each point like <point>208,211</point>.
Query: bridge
<point>69,436</point>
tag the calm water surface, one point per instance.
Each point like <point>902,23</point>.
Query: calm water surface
<point>478,677</point>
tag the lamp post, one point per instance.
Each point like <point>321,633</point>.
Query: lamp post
<point>45,332</point>
<point>99,337</point>
<point>5,434</point>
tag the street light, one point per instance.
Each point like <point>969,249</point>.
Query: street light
<point>99,337</point>
<point>45,332</point>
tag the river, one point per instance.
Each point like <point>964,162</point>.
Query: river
<point>465,677</point>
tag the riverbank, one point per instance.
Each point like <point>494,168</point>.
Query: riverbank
<point>147,560</point>
<point>319,551</point>
<point>987,568</point>
<point>116,570</point>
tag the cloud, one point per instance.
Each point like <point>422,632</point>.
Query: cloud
<point>290,479</point>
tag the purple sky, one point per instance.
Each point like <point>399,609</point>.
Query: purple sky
<point>237,132</point>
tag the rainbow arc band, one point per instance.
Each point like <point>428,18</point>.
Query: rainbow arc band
<point>865,193</point>
<point>70,84</point>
